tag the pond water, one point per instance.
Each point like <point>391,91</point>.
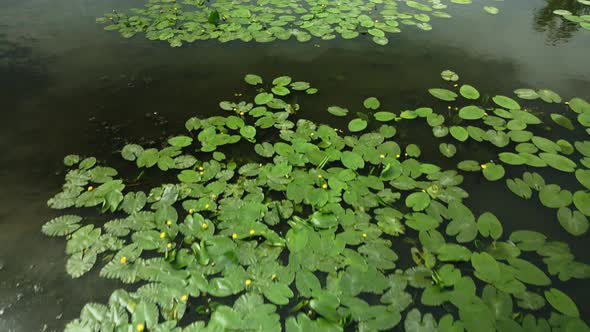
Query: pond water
<point>68,86</point>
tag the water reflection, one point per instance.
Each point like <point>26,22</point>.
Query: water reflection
<point>557,28</point>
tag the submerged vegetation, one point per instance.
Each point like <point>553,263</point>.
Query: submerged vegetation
<point>322,228</point>
<point>269,20</point>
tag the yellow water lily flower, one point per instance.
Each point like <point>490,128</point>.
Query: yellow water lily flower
<point>169,245</point>
<point>483,166</point>
<point>204,226</point>
<point>90,188</point>
<point>168,222</point>
<point>123,260</point>
<point>252,232</point>
<point>191,211</point>
<point>162,235</point>
<point>234,236</point>
<point>206,206</point>
<point>184,298</point>
<point>140,327</point>
<point>325,186</point>
<point>381,156</point>
<point>248,282</point>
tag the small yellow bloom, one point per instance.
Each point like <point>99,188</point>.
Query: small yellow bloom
<point>456,108</point>
<point>449,107</point>
<point>123,260</point>
<point>204,226</point>
<point>381,156</point>
<point>241,113</point>
<point>252,232</point>
<point>455,85</point>
<point>201,168</point>
<point>234,236</point>
<point>567,102</point>
<point>273,277</point>
<point>191,211</point>
<point>90,188</point>
<point>140,327</point>
<point>162,235</point>
<point>169,246</point>
<point>248,282</point>
<point>364,235</point>
<point>207,206</point>
<point>184,298</point>
<point>325,186</point>
<point>320,176</point>
<point>201,173</point>
<point>213,196</point>
<point>397,155</point>
<point>483,166</point>
<point>485,114</point>
<point>168,222</point>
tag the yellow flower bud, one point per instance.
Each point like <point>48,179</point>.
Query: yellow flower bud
<point>191,211</point>
<point>381,156</point>
<point>90,188</point>
<point>248,282</point>
<point>184,298</point>
<point>204,226</point>
<point>162,235</point>
<point>168,222</point>
<point>169,245</point>
<point>252,232</point>
<point>273,277</point>
<point>140,327</point>
<point>234,236</point>
<point>364,235</point>
<point>123,260</point>
<point>483,166</point>
<point>397,155</point>
<point>207,206</point>
<point>325,186</point>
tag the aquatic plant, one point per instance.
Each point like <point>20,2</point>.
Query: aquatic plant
<point>268,20</point>
<point>311,227</point>
<point>583,17</point>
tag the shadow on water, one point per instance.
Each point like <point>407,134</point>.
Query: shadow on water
<point>96,97</point>
<point>22,72</point>
<point>558,29</point>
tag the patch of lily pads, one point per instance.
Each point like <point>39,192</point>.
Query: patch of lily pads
<point>331,229</point>
<point>179,22</point>
<point>582,20</point>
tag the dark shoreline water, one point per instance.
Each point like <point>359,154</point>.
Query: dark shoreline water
<point>69,87</point>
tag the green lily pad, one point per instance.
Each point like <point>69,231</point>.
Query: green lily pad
<point>469,92</point>
<point>357,125</point>
<point>552,196</point>
<point>471,113</point>
<point>561,302</point>
<point>371,103</point>
<point>506,102</point>
<point>443,94</point>
<point>574,222</point>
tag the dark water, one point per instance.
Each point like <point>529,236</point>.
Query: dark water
<point>66,86</point>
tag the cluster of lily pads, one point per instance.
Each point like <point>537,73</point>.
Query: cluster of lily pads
<point>311,227</point>
<point>582,20</point>
<point>269,20</point>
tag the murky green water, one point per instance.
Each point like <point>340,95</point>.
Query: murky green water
<point>66,86</point>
